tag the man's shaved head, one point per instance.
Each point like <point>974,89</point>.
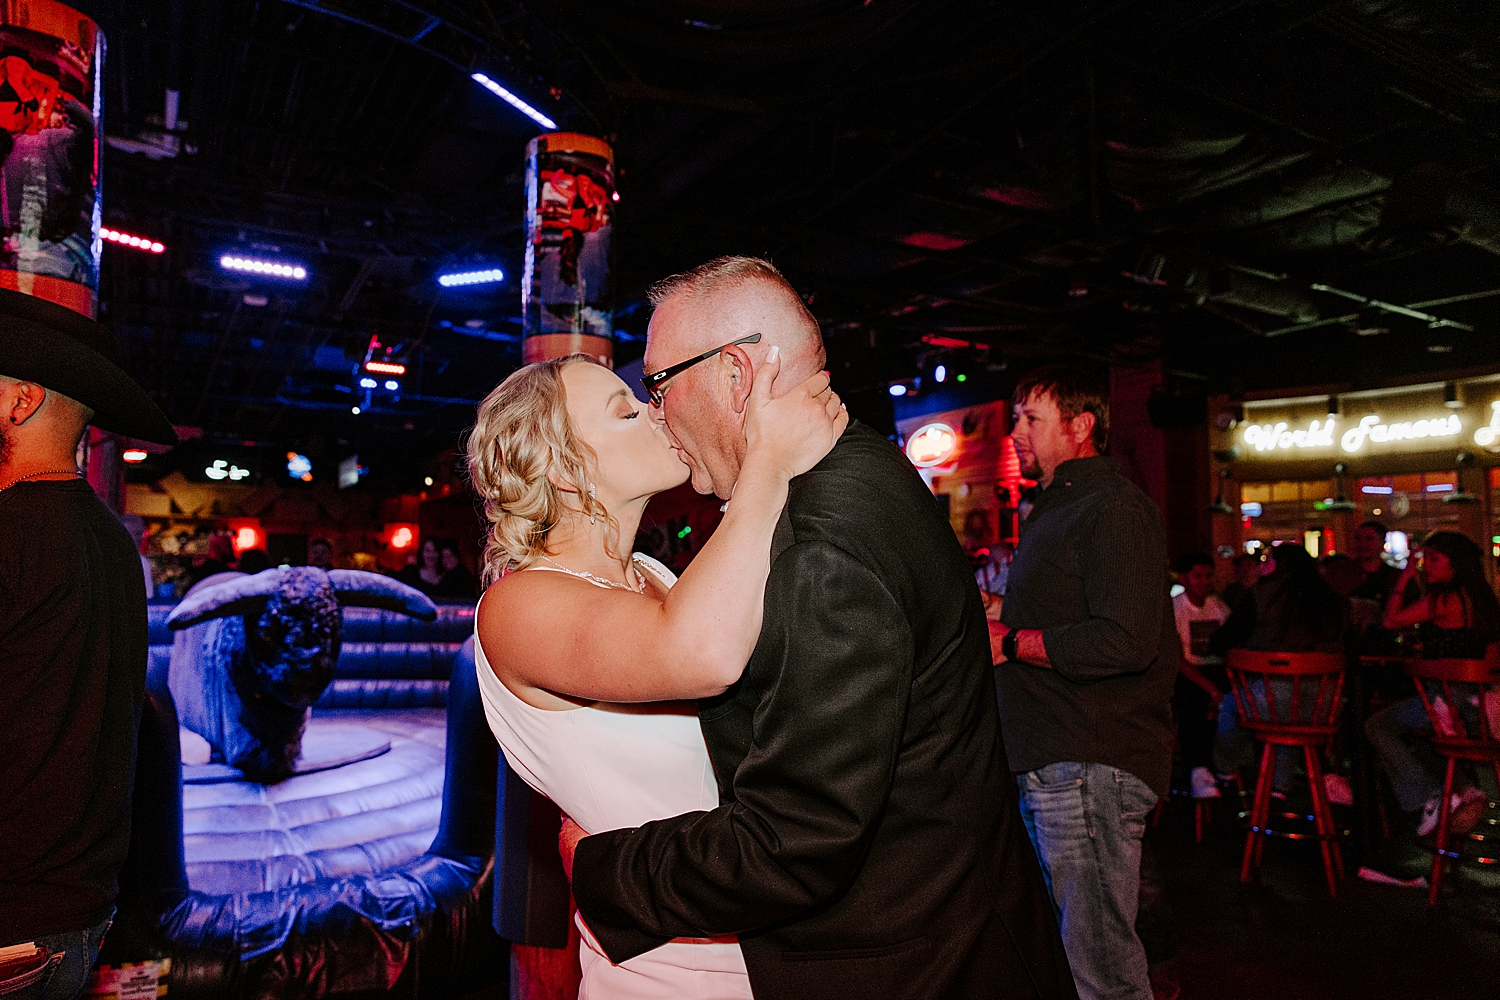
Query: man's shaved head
<point>706,308</point>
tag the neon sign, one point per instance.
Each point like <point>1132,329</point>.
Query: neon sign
<point>932,444</point>
<point>1282,436</point>
<point>223,470</point>
<point>1269,437</point>
<point>1488,436</point>
<point>1371,428</point>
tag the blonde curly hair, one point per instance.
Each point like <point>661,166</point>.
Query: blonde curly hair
<point>522,433</point>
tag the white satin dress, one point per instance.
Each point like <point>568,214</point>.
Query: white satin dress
<point>615,767</point>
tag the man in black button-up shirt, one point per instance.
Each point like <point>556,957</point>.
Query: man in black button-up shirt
<point>1088,656</point>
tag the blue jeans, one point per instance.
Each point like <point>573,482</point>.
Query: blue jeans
<point>69,974</point>
<point>1234,748</point>
<point>1400,734</point>
<point>1086,822</point>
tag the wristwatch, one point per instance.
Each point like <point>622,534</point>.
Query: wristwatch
<point>1008,644</point>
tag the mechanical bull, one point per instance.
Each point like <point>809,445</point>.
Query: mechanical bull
<point>254,652</point>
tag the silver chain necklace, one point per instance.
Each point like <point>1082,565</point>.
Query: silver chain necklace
<point>599,580</point>
<point>51,472</point>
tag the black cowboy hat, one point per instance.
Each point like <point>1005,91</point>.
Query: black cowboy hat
<point>66,352</point>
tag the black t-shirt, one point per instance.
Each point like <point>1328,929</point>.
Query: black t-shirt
<point>72,679</point>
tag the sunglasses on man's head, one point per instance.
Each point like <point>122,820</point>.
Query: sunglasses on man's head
<point>654,381</point>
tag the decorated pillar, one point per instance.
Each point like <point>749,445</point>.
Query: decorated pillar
<point>50,102</point>
<point>567,284</point>
<point>567,295</point>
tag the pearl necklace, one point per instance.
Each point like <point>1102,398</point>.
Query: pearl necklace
<point>51,472</point>
<point>599,580</point>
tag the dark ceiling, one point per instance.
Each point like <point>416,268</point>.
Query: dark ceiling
<point>1215,186</point>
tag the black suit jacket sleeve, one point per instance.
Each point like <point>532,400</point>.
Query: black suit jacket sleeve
<point>832,675</point>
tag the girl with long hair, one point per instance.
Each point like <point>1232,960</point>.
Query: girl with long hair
<point>1456,616</point>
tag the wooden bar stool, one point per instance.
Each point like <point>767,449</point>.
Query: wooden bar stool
<point>1289,700</point>
<point>1445,687</point>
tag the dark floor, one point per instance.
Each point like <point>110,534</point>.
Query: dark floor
<point>1281,936</point>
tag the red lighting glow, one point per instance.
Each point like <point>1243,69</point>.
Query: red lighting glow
<point>401,538</point>
<point>133,455</point>
<point>931,445</point>
<point>125,239</point>
<point>246,536</point>
<point>385,367</point>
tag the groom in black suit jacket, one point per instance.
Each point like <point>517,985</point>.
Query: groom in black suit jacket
<point>869,842</point>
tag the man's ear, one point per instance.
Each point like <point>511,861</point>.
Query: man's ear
<point>23,401</point>
<point>1081,428</point>
<point>742,376</point>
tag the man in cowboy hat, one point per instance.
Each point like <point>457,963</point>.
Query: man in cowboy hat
<point>72,646</point>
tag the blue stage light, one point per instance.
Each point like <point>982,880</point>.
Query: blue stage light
<point>484,277</point>
<point>392,385</point>
<point>514,101</point>
<point>940,373</point>
<point>269,268</point>
<point>898,389</point>
<point>367,383</point>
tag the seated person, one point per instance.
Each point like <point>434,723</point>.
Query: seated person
<point>426,573</point>
<point>1456,616</point>
<point>457,581</point>
<point>1290,610</point>
<point>1247,570</point>
<point>1200,676</point>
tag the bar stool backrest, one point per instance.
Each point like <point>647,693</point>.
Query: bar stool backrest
<point>1287,690</point>
<point>1449,687</point>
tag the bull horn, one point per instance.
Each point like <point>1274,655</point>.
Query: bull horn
<point>241,596</point>
<point>358,589</point>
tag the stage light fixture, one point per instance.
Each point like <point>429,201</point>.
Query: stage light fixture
<point>940,373</point>
<point>385,367</point>
<point>483,277</point>
<point>514,101</point>
<point>133,455</point>
<point>125,239</point>
<point>269,268</point>
<point>354,410</point>
<point>897,390</point>
<point>427,480</point>
<point>392,384</point>
<point>367,383</point>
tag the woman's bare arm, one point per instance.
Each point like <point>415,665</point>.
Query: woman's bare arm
<point>1415,613</point>
<point>549,631</point>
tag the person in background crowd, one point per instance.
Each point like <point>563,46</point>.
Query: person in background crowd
<point>1291,610</point>
<point>253,561</point>
<point>135,526</point>
<point>1086,662</point>
<point>426,574</point>
<point>1200,678</point>
<point>1456,616</point>
<point>1342,573</point>
<point>73,647</point>
<point>1247,569</point>
<point>1379,576</point>
<point>457,581</point>
<point>220,555</point>
<point>320,554</point>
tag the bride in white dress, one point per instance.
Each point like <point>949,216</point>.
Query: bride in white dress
<point>587,655</point>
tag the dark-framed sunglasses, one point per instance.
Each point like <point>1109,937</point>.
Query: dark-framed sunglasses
<point>653,381</point>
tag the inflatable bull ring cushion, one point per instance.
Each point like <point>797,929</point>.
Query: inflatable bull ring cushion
<point>336,833</point>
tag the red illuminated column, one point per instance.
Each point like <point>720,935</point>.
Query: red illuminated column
<point>567,283</point>
<point>50,91</point>
<point>567,292</point>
